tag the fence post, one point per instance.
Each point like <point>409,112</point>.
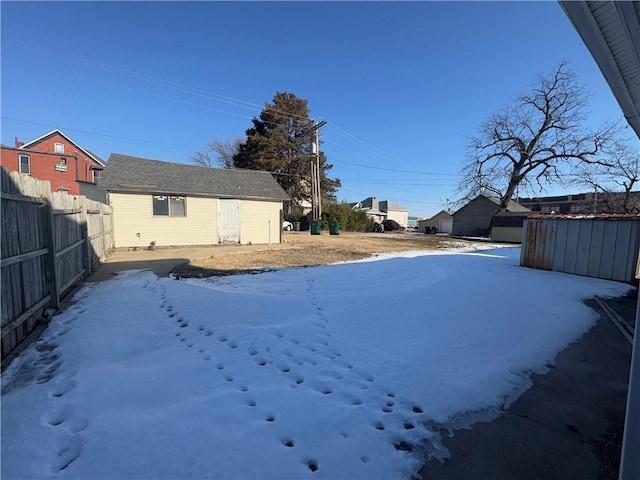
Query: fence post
<point>52,277</point>
<point>86,251</point>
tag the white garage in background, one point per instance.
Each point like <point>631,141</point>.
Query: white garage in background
<point>442,220</point>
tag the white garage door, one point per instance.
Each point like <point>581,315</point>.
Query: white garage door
<point>446,226</point>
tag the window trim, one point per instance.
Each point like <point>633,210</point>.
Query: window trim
<point>168,204</point>
<point>58,147</point>
<point>28,157</point>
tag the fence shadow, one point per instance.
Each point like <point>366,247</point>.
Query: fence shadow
<point>160,267</point>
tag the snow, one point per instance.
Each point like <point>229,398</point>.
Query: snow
<point>313,372</point>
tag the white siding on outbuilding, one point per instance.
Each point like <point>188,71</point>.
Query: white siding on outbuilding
<point>506,234</point>
<point>135,225</point>
<point>260,221</point>
<point>402,217</point>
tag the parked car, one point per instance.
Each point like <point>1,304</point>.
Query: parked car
<point>287,226</point>
<point>391,226</point>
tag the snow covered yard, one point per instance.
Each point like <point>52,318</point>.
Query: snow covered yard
<point>296,373</point>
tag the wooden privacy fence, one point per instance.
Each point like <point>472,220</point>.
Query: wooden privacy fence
<point>50,241</point>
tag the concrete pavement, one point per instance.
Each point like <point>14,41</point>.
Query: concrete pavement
<point>163,260</point>
<point>568,425</point>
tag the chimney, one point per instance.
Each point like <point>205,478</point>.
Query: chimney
<point>18,142</point>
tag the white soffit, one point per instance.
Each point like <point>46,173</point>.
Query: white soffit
<point>611,32</point>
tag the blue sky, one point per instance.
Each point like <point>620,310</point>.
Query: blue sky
<point>402,85</point>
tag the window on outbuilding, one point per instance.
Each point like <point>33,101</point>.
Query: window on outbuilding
<point>169,205</point>
<point>25,164</point>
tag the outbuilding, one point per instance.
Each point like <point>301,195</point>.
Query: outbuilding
<point>441,222</point>
<point>474,218</point>
<point>165,204</point>
<point>507,226</point>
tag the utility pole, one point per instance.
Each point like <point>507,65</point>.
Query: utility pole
<point>316,192</point>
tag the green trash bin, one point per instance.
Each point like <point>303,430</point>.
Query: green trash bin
<point>334,228</point>
<point>315,227</point>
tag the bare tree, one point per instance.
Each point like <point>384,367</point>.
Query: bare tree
<point>614,181</point>
<point>219,152</point>
<point>526,144</point>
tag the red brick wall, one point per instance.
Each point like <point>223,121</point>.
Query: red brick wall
<point>43,161</point>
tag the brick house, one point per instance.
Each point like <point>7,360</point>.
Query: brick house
<point>56,158</point>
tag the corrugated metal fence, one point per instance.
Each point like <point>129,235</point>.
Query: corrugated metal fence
<point>602,246</point>
<point>50,241</point>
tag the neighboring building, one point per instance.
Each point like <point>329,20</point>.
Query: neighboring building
<point>507,226</point>
<point>167,204</point>
<point>381,210</point>
<point>56,158</point>
<point>441,222</point>
<point>592,202</point>
<point>474,218</point>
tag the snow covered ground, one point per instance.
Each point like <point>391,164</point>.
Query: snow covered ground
<point>323,372</point>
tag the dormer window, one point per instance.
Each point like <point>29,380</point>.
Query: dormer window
<point>58,147</point>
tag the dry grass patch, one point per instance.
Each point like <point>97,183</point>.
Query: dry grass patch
<point>303,249</point>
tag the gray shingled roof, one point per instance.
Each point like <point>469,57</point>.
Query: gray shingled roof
<point>124,173</point>
<point>386,205</point>
<point>511,206</point>
<point>380,205</point>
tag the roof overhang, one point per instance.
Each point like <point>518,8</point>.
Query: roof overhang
<point>611,32</point>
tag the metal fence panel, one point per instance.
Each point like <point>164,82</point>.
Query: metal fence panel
<point>603,246</point>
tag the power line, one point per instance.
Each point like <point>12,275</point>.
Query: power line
<point>225,99</point>
<point>398,199</point>
<point>98,134</point>
<point>217,97</point>
<point>417,172</point>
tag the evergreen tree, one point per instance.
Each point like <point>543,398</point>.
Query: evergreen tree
<point>280,142</point>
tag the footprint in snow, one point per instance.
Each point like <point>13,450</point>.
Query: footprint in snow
<point>67,453</point>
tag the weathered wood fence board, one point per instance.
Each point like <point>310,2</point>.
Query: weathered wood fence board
<point>49,242</point>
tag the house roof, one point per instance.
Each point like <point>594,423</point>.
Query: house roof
<point>611,32</point>
<point>509,219</point>
<point>511,206</point>
<point>387,205</point>
<point>581,216</point>
<point>124,173</point>
<point>374,205</point>
<point>30,144</point>
<point>441,212</point>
